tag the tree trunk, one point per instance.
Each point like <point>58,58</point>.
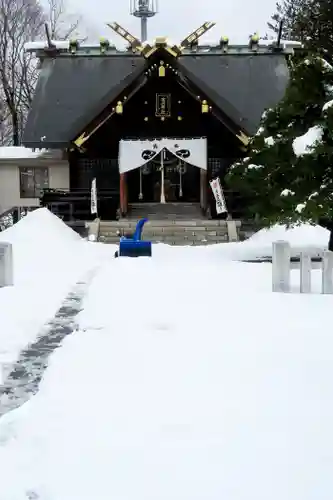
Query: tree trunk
<point>16,129</point>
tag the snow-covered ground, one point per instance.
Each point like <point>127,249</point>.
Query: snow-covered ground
<point>188,379</point>
<point>48,259</point>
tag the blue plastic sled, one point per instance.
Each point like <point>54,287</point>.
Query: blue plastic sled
<point>135,246</point>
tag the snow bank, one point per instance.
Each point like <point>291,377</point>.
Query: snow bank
<point>173,393</point>
<point>305,143</point>
<point>303,237</point>
<point>48,259</point>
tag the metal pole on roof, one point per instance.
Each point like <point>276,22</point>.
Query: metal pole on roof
<point>144,9</point>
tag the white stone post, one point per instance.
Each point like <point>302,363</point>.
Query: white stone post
<point>232,230</point>
<point>281,266</point>
<point>327,272</point>
<point>6,264</point>
<point>305,268</point>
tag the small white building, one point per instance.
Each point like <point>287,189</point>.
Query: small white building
<point>24,173</point>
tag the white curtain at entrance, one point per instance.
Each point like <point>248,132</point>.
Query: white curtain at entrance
<point>134,154</point>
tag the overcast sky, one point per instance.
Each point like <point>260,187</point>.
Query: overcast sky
<point>177,18</point>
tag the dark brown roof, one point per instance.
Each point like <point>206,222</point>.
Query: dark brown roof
<point>73,90</point>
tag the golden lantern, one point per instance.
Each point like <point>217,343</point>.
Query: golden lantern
<point>179,118</point>
<point>204,107</point>
<point>119,108</point>
<point>161,69</point>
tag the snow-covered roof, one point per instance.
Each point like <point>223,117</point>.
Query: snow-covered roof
<point>203,41</point>
<point>21,153</point>
<point>285,43</point>
<point>42,44</point>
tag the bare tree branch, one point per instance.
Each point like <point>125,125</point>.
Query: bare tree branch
<point>22,21</point>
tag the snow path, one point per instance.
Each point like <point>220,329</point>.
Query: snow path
<point>186,379</point>
<point>23,376</point>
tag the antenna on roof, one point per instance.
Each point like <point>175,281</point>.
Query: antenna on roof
<point>278,42</point>
<point>48,37</point>
<point>144,9</point>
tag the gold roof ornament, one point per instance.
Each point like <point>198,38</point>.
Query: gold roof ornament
<point>204,106</point>
<point>161,41</point>
<point>119,108</point>
<point>193,37</point>
<point>104,44</point>
<point>243,138</point>
<point>161,69</point>
<point>254,42</point>
<point>73,46</point>
<point>224,42</point>
<point>134,42</point>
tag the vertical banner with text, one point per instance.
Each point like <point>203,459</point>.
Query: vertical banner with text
<point>93,197</point>
<point>221,206</point>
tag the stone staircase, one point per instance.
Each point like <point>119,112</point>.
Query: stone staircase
<point>173,231</point>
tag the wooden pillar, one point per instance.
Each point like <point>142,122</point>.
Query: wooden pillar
<point>123,194</point>
<point>203,190</point>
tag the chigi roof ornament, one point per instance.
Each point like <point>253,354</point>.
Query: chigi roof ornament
<point>147,50</point>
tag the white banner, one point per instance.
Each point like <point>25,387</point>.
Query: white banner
<point>134,154</point>
<point>93,197</point>
<point>221,206</point>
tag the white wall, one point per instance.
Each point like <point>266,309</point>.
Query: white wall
<point>10,184</point>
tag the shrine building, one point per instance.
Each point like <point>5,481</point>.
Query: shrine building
<point>155,122</point>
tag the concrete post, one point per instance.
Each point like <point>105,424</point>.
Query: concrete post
<point>232,230</point>
<point>305,267</point>
<point>281,266</point>
<point>93,229</point>
<point>6,265</point>
<point>327,272</point>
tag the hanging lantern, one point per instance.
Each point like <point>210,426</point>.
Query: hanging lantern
<point>204,107</point>
<point>104,45</point>
<point>161,69</point>
<point>119,108</point>
<point>254,42</point>
<point>224,42</point>
<point>179,118</point>
<point>73,46</point>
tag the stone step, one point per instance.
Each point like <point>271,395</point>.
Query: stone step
<point>175,239</point>
<point>126,223</point>
<point>172,231</point>
<point>158,211</point>
<point>169,241</point>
